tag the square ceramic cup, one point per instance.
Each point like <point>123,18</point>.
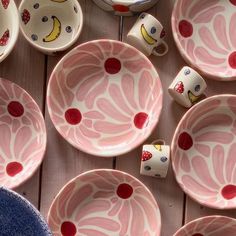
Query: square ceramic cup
<point>147,36</point>
<point>187,87</point>
<point>155,159</point>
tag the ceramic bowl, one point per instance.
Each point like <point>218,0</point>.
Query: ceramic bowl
<point>22,135</point>
<point>204,32</point>
<point>19,217</point>
<point>104,202</point>
<point>9,27</point>
<point>113,105</point>
<point>125,7</point>
<point>209,226</point>
<point>203,152</point>
<point>51,25</point>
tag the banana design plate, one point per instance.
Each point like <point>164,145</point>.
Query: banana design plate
<point>51,25</point>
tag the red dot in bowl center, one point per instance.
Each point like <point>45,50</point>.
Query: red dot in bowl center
<point>141,120</point>
<point>112,65</point>
<point>73,116</point>
<point>185,141</point>
<point>185,28</point>
<point>233,2</point>
<point>120,8</point>
<point>197,234</point>
<point>229,192</point>
<point>68,228</point>
<point>15,108</point>
<point>232,60</point>
<point>13,168</point>
<point>124,191</point>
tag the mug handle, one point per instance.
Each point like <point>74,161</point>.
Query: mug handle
<point>159,141</point>
<point>155,53</point>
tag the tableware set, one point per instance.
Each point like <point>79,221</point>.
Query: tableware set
<point>113,107</point>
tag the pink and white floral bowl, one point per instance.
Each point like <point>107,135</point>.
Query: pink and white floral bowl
<point>104,202</point>
<point>209,226</point>
<point>104,97</point>
<point>203,152</point>
<point>22,135</point>
<point>204,31</point>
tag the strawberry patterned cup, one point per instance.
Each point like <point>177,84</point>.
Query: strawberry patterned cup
<point>187,87</point>
<point>9,27</point>
<point>155,159</point>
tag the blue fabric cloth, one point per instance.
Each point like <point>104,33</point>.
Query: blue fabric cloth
<point>18,217</point>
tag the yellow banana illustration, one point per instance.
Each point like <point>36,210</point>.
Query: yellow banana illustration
<point>192,97</point>
<point>56,31</point>
<point>158,147</point>
<point>59,1</point>
<point>148,38</point>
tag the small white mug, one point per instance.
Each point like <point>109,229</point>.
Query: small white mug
<point>147,35</point>
<point>187,87</point>
<point>155,159</point>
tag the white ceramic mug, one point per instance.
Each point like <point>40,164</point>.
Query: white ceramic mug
<point>155,159</point>
<point>187,87</point>
<point>147,35</point>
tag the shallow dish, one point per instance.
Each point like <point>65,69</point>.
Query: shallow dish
<point>20,217</point>
<point>104,202</point>
<point>209,226</point>
<point>104,97</point>
<point>204,32</point>
<point>125,7</point>
<point>22,135</point>
<point>203,152</point>
<point>51,25</point>
<point>9,27</point>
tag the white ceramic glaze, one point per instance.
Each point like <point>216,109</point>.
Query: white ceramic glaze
<point>125,7</point>
<point>113,105</point>
<point>155,160</point>
<point>9,27</point>
<point>147,34</point>
<point>51,26</point>
<point>187,87</point>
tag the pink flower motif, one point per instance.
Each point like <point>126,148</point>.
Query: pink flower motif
<point>203,152</point>
<point>104,202</point>
<point>23,135</point>
<point>206,37</point>
<point>105,97</point>
<point>210,225</point>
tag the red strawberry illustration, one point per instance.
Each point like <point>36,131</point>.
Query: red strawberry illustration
<point>25,16</point>
<point>146,155</point>
<point>163,34</point>
<point>5,3</point>
<point>179,87</point>
<point>4,38</point>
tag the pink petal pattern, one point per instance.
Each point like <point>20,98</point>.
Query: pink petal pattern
<point>22,134</point>
<point>213,37</point>
<point>107,83</point>
<point>111,214</point>
<point>209,225</point>
<point>209,165</point>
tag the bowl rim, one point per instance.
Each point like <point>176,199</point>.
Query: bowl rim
<point>55,49</point>
<point>80,147</point>
<point>14,186</point>
<point>185,190</point>
<point>186,57</point>
<point>111,171</point>
<point>203,218</point>
<point>27,204</point>
<point>16,28</point>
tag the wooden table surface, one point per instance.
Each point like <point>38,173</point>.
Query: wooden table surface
<point>30,69</point>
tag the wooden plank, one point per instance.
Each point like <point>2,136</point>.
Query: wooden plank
<point>25,67</point>
<point>64,162</point>
<point>166,191</point>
